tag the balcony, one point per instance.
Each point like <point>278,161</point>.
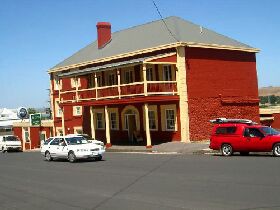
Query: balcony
<point>135,89</point>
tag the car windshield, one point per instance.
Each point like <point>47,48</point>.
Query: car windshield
<point>76,140</point>
<point>47,141</point>
<point>11,138</point>
<point>270,131</point>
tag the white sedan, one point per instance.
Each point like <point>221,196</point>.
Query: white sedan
<point>71,148</point>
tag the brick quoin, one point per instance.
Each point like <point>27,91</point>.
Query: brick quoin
<point>221,83</point>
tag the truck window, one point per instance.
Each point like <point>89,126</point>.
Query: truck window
<point>253,132</point>
<point>226,130</point>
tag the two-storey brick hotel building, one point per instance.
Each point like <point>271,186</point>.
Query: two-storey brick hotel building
<point>157,82</point>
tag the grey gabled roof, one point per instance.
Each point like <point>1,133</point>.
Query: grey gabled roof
<point>150,35</point>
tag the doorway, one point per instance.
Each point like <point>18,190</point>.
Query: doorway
<point>131,126</point>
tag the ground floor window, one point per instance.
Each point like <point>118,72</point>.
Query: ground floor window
<point>170,119</point>
<point>99,120</point>
<point>26,135</point>
<point>59,132</point>
<point>152,119</point>
<point>113,120</point>
<point>78,130</point>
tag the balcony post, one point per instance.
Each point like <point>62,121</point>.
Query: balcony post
<point>107,127</point>
<point>63,121</point>
<point>183,94</point>
<point>96,85</point>
<point>145,79</point>
<point>92,122</point>
<point>59,89</point>
<point>76,86</point>
<point>119,82</point>
<point>147,124</point>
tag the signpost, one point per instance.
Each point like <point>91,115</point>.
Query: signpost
<point>35,119</point>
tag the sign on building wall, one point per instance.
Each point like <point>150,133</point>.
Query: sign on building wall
<point>35,119</point>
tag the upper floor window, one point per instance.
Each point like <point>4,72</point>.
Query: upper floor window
<point>75,82</point>
<point>167,74</point>
<point>112,79</point>
<point>149,74</point>
<point>90,81</point>
<point>56,83</point>
<point>99,81</point>
<point>128,77</point>
<point>77,110</point>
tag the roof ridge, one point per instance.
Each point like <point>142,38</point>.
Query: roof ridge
<point>147,23</point>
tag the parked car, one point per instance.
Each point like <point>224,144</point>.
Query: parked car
<point>244,136</point>
<point>91,140</point>
<point>71,148</point>
<point>10,143</point>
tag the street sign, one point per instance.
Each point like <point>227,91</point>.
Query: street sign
<point>35,119</point>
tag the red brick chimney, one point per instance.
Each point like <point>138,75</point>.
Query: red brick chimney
<point>103,33</point>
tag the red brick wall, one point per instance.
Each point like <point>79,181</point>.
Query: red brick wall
<point>34,135</point>
<point>215,76</point>
<point>276,121</point>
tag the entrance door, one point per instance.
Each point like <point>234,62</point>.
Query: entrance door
<point>131,125</point>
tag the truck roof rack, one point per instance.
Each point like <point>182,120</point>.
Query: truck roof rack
<point>225,120</point>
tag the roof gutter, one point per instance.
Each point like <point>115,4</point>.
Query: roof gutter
<point>148,50</point>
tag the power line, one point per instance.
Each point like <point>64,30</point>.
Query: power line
<point>170,32</point>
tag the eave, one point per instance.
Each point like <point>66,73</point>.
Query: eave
<point>153,49</point>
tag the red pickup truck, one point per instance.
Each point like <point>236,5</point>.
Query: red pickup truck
<point>244,136</point>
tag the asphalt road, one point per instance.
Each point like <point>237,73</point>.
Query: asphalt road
<point>140,181</point>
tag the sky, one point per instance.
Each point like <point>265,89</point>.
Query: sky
<point>35,35</point>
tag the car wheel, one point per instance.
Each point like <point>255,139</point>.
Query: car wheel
<point>48,156</point>
<point>244,153</point>
<point>71,157</point>
<point>226,150</point>
<point>3,150</point>
<point>276,150</point>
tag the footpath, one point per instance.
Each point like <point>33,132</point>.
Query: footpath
<point>167,148</point>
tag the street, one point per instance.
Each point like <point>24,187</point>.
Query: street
<point>140,181</point>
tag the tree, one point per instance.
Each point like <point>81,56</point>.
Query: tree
<point>272,99</point>
<point>263,99</point>
<point>31,111</point>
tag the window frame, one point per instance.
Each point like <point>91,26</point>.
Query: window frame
<point>130,74</point>
<point>112,79</point>
<point>167,68</point>
<point>75,112</point>
<point>100,121</point>
<point>149,74</point>
<point>115,121</point>
<point>174,120</point>
<point>75,82</point>
<point>155,120</point>
<point>58,110</point>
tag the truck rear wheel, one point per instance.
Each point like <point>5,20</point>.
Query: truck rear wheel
<point>226,150</point>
